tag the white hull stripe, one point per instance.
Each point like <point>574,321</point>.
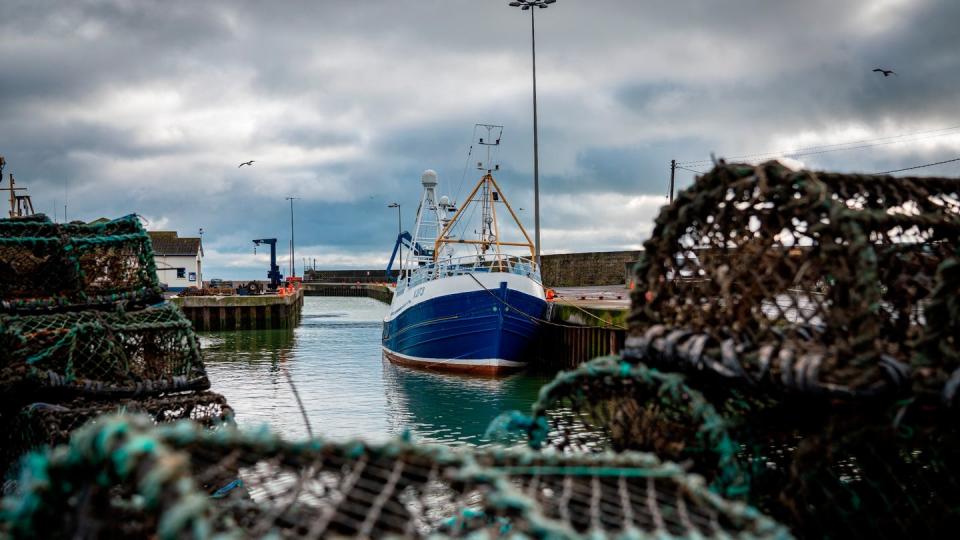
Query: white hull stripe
<point>436,288</point>
<point>457,361</point>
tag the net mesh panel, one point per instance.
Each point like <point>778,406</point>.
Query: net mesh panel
<point>151,475</point>
<point>800,280</point>
<point>937,356</point>
<point>609,404</point>
<point>46,265</point>
<point>632,495</point>
<point>885,473</point>
<point>50,424</point>
<point>97,353</point>
<point>862,468</point>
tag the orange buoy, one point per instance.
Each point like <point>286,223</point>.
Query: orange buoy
<point>550,295</point>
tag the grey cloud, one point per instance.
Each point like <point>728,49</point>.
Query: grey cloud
<point>344,103</point>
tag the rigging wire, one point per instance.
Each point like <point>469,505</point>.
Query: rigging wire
<point>466,164</point>
<point>296,395</point>
<point>838,147</point>
<point>919,166</point>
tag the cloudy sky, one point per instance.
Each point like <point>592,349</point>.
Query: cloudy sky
<point>148,107</point>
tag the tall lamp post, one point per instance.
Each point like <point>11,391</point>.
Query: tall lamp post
<point>293,264</point>
<point>526,5</point>
<point>399,232</point>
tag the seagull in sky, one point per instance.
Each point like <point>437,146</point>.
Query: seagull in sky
<point>250,163</point>
<point>886,72</point>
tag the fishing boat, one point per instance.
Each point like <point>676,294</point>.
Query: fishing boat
<point>463,303</point>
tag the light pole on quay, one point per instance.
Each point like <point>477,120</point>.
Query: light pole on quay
<point>399,232</point>
<point>528,5</point>
<point>293,264</point>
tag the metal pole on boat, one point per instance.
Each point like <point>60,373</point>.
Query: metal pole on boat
<point>293,263</point>
<point>527,5</point>
<point>399,232</point>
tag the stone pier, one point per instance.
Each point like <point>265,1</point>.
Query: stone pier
<point>221,313</point>
<point>368,290</point>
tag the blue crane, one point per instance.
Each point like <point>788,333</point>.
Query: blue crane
<point>274,273</point>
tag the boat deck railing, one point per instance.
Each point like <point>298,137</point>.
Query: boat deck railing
<point>470,264</point>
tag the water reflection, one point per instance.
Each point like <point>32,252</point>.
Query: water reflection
<point>452,408</point>
<point>335,359</point>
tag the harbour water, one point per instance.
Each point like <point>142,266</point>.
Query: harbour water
<point>348,389</point>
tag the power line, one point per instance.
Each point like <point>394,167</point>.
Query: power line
<point>691,170</point>
<point>919,166</point>
<point>837,147</point>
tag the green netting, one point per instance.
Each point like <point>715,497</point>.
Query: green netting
<point>49,424</point>
<point>96,353</point>
<point>611,404</point>
<point>865,468</point>
<point>625,495</point>
<point>804,281</point>
<point>937,353</point>
<point>128,478</point>
<point>46,265</point>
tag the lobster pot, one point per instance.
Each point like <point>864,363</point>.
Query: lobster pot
<point>47,424</point>
<point>324,489</point>
<point>98,354</point>
<point>55,266</point>
<point>631,494</point>
<point>608,404</point>
<point>864,468</point>
<point>807,281</point>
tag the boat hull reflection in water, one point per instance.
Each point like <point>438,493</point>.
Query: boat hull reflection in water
<point>447,408</point>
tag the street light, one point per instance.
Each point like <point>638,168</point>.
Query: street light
<point>399,232</point>
<point>293,264</point>
<point>526,5</point>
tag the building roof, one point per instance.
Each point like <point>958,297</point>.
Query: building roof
<point>168,244</point>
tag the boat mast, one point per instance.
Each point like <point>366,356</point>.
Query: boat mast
<point>428,224</point>
<point>488,194</point>
<point>488,216</point>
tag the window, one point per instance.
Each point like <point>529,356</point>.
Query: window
<point>181,273</point>
<point>193,276</point>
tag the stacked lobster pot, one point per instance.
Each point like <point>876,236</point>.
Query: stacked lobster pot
<point>84,331</point>
<point>157,478</point>
<point>793,339</point>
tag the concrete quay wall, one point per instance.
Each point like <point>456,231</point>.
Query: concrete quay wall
<point>591,268</point>
<point>368,290</point>
<point>267,311</point>
<point>578,334</point>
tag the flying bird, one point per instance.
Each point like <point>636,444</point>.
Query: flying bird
<point>886,72</point>
<point>250,163</point>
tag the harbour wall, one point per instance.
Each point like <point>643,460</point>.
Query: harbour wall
<point>590,268</point>
<point>368,290</point>
<point>376,275</point>
<point>578,334</point>
<point>267,311</point>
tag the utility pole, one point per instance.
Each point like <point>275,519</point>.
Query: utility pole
<point>526,5</point>
<point>293,261</point>
<point>673,170</point>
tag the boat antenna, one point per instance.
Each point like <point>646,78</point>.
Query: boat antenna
<point>492,142</point>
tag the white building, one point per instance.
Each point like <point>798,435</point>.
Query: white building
<point>178,260</point>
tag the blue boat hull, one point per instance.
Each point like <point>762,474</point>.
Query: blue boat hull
<point>477,331</point>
